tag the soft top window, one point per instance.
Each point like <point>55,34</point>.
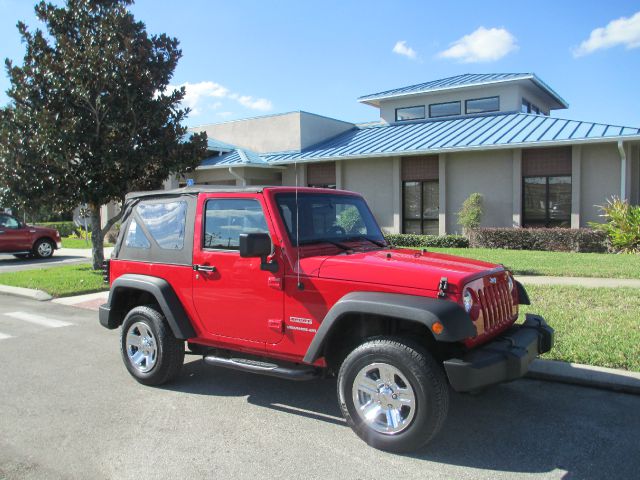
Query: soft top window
<point>165,222</point>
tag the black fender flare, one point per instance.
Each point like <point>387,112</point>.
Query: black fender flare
<point>424,310</point>
<point>523,296</point>
<point>111,315</point>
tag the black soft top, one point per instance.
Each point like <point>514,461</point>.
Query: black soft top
<point>194,190</point>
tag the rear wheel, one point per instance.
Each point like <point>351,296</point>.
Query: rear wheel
<point>393,394</point>
<point>43,248</point>
<point>150,351</point>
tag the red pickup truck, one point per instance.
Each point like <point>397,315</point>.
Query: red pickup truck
<point>298,283</point>
<point>24,240</point>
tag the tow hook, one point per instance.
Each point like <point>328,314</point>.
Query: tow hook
<point>442,287</point>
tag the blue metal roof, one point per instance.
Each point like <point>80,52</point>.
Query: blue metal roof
<point>218,146</point>
<point>236,158</point>
<point>459,81</point>
<point>456,134</point>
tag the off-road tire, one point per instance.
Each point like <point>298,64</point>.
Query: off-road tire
<point>37,250</point>
<point>425,376</point>
<point>170,350</point>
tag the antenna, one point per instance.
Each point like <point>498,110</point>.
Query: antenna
<point>300,285</point>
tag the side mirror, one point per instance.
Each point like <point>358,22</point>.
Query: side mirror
<point>258,245</point>
<point>255,245</point>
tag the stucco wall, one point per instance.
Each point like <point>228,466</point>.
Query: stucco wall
<point>316,128</point>
<point>373,178</point>
<point>510,100</point>
<point>489,173</point>
<point>600,179</point>
<point>272,133</point>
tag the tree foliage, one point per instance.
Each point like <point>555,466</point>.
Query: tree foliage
<point>470,215</point>
<point>91,117</point>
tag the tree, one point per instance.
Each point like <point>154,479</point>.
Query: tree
<point>470,215</point>
<point>91,116</point>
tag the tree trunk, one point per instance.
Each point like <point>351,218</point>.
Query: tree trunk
<point>97,239</point>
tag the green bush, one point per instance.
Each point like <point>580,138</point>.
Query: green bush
<point>66,229</point>
<point>470,215</point>
<point>623,225</point>
<point>547,239</point>
<point>427,241</point>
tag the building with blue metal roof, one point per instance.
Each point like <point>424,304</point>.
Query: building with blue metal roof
<point>435,144</point>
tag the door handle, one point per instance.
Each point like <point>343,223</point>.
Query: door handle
<point>204,268</point>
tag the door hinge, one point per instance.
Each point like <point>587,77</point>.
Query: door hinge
<point>276,324</point>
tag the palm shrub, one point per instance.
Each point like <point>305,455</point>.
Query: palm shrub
<point>470,215</point>
<point>622,225</point>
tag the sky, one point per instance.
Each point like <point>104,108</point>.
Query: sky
<point>249,58</point>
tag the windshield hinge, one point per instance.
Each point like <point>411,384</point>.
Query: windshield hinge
<point>442,287</point>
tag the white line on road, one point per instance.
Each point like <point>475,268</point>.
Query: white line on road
<point>38,319</point>
<point>4,336</point>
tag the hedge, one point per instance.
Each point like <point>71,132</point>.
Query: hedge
<point>426,241</point>
<point>549,239</point>
<point>65,228</point>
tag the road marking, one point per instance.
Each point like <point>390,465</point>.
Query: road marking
<point>4,336</point>
<point>38,319</point>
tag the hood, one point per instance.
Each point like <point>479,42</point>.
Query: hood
<point>405,268</point>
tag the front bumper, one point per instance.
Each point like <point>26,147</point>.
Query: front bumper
<point>505,358</point>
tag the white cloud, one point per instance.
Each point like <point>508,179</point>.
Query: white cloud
<point>401,48</point>
<point>198,95</point>
<point>482,45</point>
<point>224,114</point>
<point>623,31</point>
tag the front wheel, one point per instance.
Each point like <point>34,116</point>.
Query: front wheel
<point>393,394</point>
<point>150,351</point>
<point>43,248</point>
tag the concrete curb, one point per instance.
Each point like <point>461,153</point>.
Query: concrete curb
<point>585,375</point>
<point>25,293</point>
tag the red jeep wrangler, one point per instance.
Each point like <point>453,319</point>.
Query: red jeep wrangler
<point>297,283</point>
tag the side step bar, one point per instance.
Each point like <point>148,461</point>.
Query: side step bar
<point>263,368</point>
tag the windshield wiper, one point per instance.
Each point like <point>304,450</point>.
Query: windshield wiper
<point>324,240</point>
<point>362,237</point>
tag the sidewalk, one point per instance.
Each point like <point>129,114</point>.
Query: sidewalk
<point>81,252</point>
<point>588,282</point>
<point>89,301</point>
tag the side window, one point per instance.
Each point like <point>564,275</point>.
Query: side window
<point>136,237</point>
<point>9,222</point>
<point>165,222</point>
<point>227,218</point>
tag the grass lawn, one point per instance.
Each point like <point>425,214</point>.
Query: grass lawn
<point>71,242</point>
<point>596,326</point>
<point>59,281</point>
<point>557,264</point>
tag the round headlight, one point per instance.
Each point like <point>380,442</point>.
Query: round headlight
<point>510,283</point>
<point>467,300</point>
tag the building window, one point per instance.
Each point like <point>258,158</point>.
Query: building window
<point>444,109</point>
<point>546,187</point>
<point>528,107</point>
<point>547,201</point>
<point>321,175</point>
<point>481,105</point>
<point>420,195</point>
<point>410,113</point>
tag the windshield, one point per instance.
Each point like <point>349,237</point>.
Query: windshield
<point>328,218</point>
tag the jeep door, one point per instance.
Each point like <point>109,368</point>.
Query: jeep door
<point>234,297</point>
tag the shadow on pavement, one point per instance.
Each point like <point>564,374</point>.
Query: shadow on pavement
<point>527,426</point>
<point>11,263</point>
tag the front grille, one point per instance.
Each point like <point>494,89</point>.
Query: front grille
<point>496,305</point>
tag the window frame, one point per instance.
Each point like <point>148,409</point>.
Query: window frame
<point>424,113</point>
<point>422,219</point>
<point>459,102</point>
<point>548,222</point>
<point>203,232</point>
<point>466,105</point>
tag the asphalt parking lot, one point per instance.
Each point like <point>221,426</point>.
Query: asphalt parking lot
<point>69,409</point>
<point>9,263</point>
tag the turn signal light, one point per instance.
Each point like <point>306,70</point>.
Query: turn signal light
<point>437,328</point>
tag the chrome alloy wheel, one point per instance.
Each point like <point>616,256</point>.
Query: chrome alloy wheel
<point>45,249</point>
<point>142,348</point>
<point>384,398</point>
